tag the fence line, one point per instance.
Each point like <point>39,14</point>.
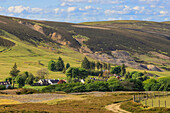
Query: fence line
<point>150,95</point>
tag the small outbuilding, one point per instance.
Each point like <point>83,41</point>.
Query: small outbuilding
<point>61,82</point>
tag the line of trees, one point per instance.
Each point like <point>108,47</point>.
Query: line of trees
<point>58,65</point>
<point>79,73</point>
<point>92,65</point>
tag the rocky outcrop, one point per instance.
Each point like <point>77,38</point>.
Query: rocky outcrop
<point>85,49</point>
<point>33,26</point>
<point>119,58</point>
<point>153,68</point>
<point>58,38</point>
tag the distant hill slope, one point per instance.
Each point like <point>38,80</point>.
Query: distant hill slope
<point>133,36</point>
<point>114,42</point>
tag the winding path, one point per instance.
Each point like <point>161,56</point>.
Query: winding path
<point>116,108</point>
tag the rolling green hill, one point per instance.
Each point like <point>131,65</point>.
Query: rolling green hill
<point>31,43</point>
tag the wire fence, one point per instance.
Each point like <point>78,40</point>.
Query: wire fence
<point>153,99</point>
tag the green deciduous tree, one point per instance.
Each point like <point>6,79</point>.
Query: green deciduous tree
<point>165,84</point>
<point>42,73</point>
<point>149,85</point>
<point>83,73</point>
<point>136,74</point>
<point>114,84</point>
<point>69,72</point>
<point>30,79</point>
<point>20,80</point>
<point>52,65</point>
<point>79,73</point>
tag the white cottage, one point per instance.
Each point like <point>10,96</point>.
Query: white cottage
<point>7,84</point>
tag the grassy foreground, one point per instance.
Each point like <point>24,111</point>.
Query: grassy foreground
<point>85,103</point>
<point>139,108</point>
<point>94,103</point>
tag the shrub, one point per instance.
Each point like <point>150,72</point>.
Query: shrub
<point>2,87</point>
<point>26,91</point>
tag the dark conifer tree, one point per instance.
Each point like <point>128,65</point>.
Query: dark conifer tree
<point>92,65</point>
<point>67,66</point>
<point>127,75</point>
<point>52,65</point>
<point>108,66</point>
<point>105,66</point>
<point>98,65</point>
<point>59,64</point>
<point>14,73</point>
<point>123,70</point>
<point>85,64</point>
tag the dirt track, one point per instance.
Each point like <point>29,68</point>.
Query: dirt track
<point>116,108</point>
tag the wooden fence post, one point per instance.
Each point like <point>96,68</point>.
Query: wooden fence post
<point>159,102</point>
<point>145,102</point>
<point>134,98</point>
<point>152,102</point>
<point>165,103</point>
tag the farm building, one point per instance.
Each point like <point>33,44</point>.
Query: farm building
<point>7,84</point>
<point>45,82</point>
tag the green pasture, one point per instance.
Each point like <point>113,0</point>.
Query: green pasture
<point>31,59</point>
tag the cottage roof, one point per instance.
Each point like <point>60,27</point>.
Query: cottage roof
<point>4,83</point>
<point>61,82</point>
<point>54,81</point>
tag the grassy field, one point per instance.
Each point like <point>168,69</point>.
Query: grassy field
<point>6,101</point>
<point>28,57</point>
<point>84,103</point>
<point>34,87</point>
<point>139,108</point>
<point>93,103</point>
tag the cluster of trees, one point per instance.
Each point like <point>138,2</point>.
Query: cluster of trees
<point>25,78</point>
<point>92,65</point>
<point>136,75</point>
<point>161,84</point>
<point>119,70</point>
<point>58,65</point>
<point>20,79</point>
<point>113,84</point>
<point>79,73</point>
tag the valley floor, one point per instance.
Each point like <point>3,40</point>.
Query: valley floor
<point>91,102</point>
